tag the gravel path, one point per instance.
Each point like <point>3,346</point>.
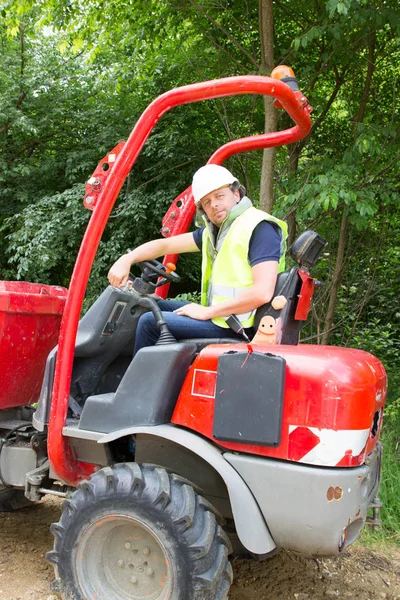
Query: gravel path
<point>360,574</point>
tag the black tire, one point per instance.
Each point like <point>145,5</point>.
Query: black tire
<point>12,500</point>
<point>136,532</point>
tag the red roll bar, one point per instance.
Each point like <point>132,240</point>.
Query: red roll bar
<point>101,194</point>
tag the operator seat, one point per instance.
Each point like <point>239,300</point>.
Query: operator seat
<point>305,251</point>
<point>104,345</point>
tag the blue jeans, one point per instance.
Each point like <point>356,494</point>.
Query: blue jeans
<point>147,332</point>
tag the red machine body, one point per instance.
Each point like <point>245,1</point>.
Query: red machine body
<point>333,403</point>
<point>30,317</point>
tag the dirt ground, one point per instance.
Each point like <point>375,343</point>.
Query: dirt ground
<point>359,574</point>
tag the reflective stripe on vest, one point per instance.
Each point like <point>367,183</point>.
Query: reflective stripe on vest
<point>227,272</point>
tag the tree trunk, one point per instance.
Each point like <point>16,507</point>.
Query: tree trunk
<point>368,78</point>
<point>22,93</point>
<point>266,23</point>
<point>337,276</point>
<point>291,218</point>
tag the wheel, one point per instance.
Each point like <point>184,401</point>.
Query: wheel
<point>12,499</point>
<point>135,532</point>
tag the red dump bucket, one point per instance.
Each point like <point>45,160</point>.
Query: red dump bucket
<point>30,316</point>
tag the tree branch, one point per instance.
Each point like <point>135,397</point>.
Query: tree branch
<point>339,82</point>
<point>240,25</point>
<point>225,32</point>
<point>220,48</point>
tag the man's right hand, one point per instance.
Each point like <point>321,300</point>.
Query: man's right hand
<point>119,272</point>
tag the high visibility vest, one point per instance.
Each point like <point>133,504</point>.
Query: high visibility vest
<point>227,272</point>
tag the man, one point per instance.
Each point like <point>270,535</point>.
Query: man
<point>242,249</point>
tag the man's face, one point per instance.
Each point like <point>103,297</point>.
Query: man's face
<point>218,203</point>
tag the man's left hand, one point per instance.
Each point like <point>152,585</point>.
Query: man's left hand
<point>194,311</point>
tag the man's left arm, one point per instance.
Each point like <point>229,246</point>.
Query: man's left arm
<point>264,276</point>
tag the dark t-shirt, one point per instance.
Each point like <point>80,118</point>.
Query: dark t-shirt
<point>265,243</point>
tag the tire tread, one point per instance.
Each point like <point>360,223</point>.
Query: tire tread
<point>193,519</point>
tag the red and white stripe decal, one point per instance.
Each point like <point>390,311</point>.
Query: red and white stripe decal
<point>325,447</point>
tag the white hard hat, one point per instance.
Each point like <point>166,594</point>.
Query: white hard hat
<point>210,178</point>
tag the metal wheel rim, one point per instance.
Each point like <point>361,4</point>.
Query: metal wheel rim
<point>119,557</point>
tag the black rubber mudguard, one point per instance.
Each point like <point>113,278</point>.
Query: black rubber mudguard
<point>249,398</point>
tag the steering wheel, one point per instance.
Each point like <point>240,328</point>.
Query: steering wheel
<point>154,268</point>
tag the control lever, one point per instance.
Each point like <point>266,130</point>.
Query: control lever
<point>237,327</point>
<point>166,336</point>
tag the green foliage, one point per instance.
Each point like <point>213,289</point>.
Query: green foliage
<point>381,340</point>
<point>189,297</point>
<point>43,239</point>
<point>389,492</point>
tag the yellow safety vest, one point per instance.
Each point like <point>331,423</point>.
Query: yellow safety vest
<point>227,270</point>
